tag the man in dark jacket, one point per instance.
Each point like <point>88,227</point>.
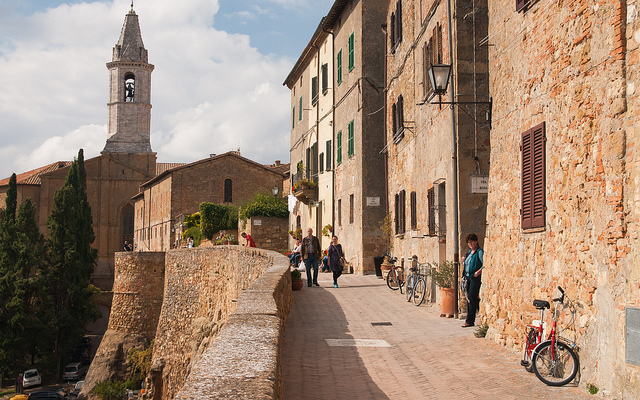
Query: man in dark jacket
<point>311,254</point>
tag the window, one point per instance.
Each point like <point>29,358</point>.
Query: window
<point>314,160</point>
<point>308,164</point>
<point>228,191</point>
<point>350,145</point>
<point>400,212</point>
<point>325,77</point>
<point>328,151</point>
<point>533,177</point>
<point>293,118</point>
<point>396,26</point>
<point>314,90</point>
<point>339,67</point>
<point>339,150</point>
<point>397,111</point>
<point>414,211</point>
<point>523,4</point>
<point>351,205</point>
<point>300,109</point>
<point>339,212</point>
<point>432,54</point>
<point>321,162</point>
<point>351,51</point>
<point>129,87</point>
<point>432,211</point>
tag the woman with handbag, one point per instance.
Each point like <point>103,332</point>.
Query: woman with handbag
<point>335,259</point>
<point>473,266</point>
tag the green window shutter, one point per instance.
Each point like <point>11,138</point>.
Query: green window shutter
<point>293,118</point>
<point>328,151</point>
<point>351,51</point>
<point>339,68</point>
<point>314,90</point>
<point>350,146</point>
<point>325,78</point>
<point>339,149</point>
<point>300,110</point>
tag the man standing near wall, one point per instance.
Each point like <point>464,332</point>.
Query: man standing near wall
<point>311,254</point>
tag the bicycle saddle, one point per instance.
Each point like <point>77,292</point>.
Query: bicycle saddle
<point>412,269</point>
<point>541,304</point>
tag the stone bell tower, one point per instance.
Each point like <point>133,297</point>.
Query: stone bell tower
<point>129,126</point>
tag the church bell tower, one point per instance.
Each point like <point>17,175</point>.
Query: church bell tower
<point>129,125</point>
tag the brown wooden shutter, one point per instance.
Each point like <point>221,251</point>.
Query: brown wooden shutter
<point>426,66</point>
<point>439,43</point>
<point>394,124</point>
<point>393,32</point>
<point>533,177</point>
<point>397,209</point>
<point>399,20</point>
<point>432,213</point>
<point>403,219</point>
<point>414,212</point>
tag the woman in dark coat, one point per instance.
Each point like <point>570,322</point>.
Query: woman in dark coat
<point>334,254</point>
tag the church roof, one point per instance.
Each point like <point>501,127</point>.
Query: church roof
<point>130,46</point>
<point>33,177</point>
<point>163,167</point>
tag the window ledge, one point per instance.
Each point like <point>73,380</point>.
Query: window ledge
<point>534,230</point>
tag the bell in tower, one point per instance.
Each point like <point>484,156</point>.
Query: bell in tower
<point>129,125</point>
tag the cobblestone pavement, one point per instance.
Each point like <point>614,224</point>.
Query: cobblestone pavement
<point>428,357</point>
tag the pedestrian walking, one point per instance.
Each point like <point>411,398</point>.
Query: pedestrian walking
<point>335,259</point>
<point>311,254</point>
<point>473,265</point>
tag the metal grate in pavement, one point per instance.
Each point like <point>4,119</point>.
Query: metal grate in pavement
<point>381,324</point>
<point>357,343</point>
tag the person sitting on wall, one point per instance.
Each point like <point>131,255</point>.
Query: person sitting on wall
<point>127,246</point>
<point>295,256</point>
<point>325,262</point>
<point>248,240</point>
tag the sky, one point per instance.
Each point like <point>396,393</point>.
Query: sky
<point>216,86</point>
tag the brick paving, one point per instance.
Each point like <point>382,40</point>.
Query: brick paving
<point>429,357</point>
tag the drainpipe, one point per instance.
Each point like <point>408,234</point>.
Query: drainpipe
<point>384,107</point>
<point>454,175</point>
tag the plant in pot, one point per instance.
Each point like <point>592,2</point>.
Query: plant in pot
<point>296,279</point>
<point>442,276</point>
<point>386,226</point>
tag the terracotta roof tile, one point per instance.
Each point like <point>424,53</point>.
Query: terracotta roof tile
<point>33,177</point>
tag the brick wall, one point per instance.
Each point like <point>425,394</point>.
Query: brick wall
<point>268,233</point>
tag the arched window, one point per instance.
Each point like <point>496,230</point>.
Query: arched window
<point>129,87</point>
<point>127,223</point>
<point>228,191</point>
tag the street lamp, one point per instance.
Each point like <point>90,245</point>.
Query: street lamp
<point>275,191</point>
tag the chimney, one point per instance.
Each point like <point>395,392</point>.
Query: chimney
<point>277,163</point>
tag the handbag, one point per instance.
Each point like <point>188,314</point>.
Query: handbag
<point>464,285</point>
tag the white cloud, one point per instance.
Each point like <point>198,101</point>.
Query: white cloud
<point>211,91</point>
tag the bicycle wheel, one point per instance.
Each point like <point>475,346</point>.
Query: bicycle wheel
<point>419,291</point>
<point>557,367</point>
<point>409,287</point>
<point>526,360</point>
<point>392,280</point>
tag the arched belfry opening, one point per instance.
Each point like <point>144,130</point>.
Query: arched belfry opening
<point>129,87</point>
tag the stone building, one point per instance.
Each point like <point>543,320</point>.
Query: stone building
<point>564,181</point>
<point>126,161</point>
<point>227,178</point>
<point>337,130</point>
<point>424,170</point>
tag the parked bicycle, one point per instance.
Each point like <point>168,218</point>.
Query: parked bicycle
<point>554,360</point>
<point>395,277</point>
<point>417,287</point>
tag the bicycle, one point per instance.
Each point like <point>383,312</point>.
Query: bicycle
<point>416,288</point>
<point>395,277</point>
<point>554,360</point>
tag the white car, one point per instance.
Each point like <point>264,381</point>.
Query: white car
<point>31,378</point>
<point>74,371</point>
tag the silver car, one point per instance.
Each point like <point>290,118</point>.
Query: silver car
<point>74,371</point>
<point>31,378</point>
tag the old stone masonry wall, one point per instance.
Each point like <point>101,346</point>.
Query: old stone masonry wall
<point>180,299</point>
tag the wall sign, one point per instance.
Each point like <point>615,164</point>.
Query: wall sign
<point>257,222</point>
<point>373,201</point>
<point>479,184</point>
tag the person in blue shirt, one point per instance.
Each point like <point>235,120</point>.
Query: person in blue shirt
<point>473,265</point>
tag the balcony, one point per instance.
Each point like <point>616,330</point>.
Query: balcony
<point>305,189</point>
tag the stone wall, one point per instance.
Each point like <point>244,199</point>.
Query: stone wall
<point>181,299</point>
<point>269,233</point>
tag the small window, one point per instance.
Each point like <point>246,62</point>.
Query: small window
<point>533,177</point>
<point>432,211</point>
<point>351,51</point>
<point>314,90</point>
<point>328,151</point>
<point>400,212</point>
<point>396,26</point>
<point>339,212</point>
<point>228,191</point>
<point>325,77</point>
<point>293,117</point>
<point>300,109</point>
<point>414,211</point>
<point>350,144</point>
<point>339,67</point>
<point>339,149</point>
<point>398,120</point>
<point>321,162</point>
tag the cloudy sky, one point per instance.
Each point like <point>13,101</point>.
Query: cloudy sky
<point>217,83</point>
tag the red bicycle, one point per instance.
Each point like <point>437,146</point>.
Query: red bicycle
<point>395,277</point>
<point>554,360</point>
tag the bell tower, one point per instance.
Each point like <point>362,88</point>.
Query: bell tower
<point>129,125</point>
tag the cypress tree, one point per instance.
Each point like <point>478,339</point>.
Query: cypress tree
<point>71,262</point>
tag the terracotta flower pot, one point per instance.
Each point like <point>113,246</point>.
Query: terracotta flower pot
<point>297,284</point>
<point>448,305</point>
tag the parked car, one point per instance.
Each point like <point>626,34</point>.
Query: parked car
<point>85,343</point>
<point>76,390</point>
<point>74,371</point>
<point>41,395</point>
<point>31,378</point>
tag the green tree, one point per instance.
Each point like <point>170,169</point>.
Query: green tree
<point>216,217</point>
<point>71,296</point>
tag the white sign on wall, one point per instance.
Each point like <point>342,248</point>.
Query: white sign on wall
<point>373,201</point>
<point>479,184</point>
<point>257,222</point>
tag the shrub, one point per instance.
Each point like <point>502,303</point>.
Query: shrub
<point>216,217</point>
<point>442,274</point>
<point>264,205</point>
<point>110,390</point>
<point>194,232</point>
<point>296,275</point>
<point>481,331</point>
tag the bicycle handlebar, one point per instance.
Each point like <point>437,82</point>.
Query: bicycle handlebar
<point>561,298</point>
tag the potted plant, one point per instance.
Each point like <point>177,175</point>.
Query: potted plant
<point>442,276</point>
<point>387,235</point>
<point>327,230</point>
<point>296,279</point>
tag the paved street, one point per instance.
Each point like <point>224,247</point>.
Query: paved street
<point>427,357</point>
